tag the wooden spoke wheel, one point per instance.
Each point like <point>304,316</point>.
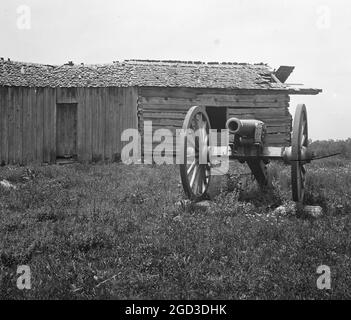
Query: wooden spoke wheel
<point>299,143</point>
<point>195,170</point>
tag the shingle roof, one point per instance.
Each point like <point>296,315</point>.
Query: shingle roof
<point>142,73</point>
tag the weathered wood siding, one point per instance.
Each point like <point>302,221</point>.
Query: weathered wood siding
<point>27,117</point>
<point>103,114</point>
<point>28,122</point>
<point>66,129</point>
<point>166,108</point>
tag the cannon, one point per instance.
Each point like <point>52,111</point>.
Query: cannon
<point>246,144</point>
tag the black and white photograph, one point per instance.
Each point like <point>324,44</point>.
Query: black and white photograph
<point>195,152</point>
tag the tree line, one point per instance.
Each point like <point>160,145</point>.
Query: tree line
<point>325,147</point>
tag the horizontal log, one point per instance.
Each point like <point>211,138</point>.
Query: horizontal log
<point>166,107</point>
<point>278,120</point>
<point>243,104</point>
<point>259,111</point>
<point>167,92</point>
<point>165,122</point>
<point>164,100</point>
<point>216,98</point>
<point>273,138</point>
<point>186,103</point>
<point>164,115</point>
<point>247,98</point>
<point>278,129</point>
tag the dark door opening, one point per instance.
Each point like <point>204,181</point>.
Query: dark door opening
<point>218,117</point>
<point>66,130</point>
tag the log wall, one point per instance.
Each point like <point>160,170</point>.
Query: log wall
<point>167,107</point>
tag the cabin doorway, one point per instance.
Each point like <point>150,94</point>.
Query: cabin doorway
<point>66,130</point>
<point>218,117</point>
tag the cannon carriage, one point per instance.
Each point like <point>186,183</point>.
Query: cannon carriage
<point>247,144</point>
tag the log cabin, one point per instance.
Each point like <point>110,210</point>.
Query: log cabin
<point>50,112</point>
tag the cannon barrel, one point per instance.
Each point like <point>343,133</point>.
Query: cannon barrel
<point>242,127</point>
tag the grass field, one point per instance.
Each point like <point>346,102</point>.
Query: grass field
<point>117,231</point>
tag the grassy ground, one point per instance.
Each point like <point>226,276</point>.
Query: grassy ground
<point>117,231</point>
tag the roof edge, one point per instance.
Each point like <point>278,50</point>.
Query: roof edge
<point>304,91</point>
<point>148,61</point>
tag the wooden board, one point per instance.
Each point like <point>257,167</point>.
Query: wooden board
<point>12,96</point>
<point>26,126</point>
<point>3,125</point>
<point>87,124</point>
<point>66,130</point>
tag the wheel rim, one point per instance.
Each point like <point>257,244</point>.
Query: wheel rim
<point>195,171</point>
<point>299,140</point>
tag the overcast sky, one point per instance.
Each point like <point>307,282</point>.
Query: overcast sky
<point>313,35</point>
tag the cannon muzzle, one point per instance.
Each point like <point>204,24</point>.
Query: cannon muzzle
<point>243,127</point>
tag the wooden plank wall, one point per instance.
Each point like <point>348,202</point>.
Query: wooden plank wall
<point>66,129</point>
<point>27,116</point>
<point>167,107</point>
<point>103,114</point>
<point>28,122</point>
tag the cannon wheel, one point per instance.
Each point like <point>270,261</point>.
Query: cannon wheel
<point>195,176</point>
<point>299,140</point>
